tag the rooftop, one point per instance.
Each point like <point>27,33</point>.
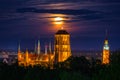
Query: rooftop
<point>62,32</point>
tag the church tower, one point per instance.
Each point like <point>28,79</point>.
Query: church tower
<point>106,52</point>
<point>19,53</point>
<point>62,47</point>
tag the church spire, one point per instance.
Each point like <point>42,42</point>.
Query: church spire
<point>19,52</point>
<point>106,34</point>
<point>45,49</point>
<point>50,50</point>
<point>35,50</point>
<point>38,48</point>
<point>106,38</point>
<point>19,47</point>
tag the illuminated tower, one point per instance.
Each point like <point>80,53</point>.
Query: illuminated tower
<point>19,53</point>
<point>106,52</point>
<point>62,45</point>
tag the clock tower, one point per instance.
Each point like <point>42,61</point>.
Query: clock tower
<point>106,52</point>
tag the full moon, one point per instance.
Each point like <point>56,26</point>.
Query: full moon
<point>58,20</point>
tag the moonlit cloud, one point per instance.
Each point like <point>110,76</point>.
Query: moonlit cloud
<point>29,19</point>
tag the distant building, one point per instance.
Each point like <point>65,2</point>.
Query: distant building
<point>62,51</point>
<point>106,52</point>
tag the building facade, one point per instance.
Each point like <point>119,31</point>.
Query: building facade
<point>62,46</point>
<point>30,59</point>
<point>62,51</point>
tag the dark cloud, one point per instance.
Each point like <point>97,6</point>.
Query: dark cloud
<point>77,15</point>
<point>58,11</point>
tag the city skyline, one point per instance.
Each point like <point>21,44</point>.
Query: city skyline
<point>86,21</point>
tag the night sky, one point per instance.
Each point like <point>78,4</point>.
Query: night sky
<point>26,21</point>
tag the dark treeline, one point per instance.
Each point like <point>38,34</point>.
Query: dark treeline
<point>74,68</point>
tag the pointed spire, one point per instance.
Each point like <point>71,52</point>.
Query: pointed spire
<point>26,51</point>
<point>50,50</point>
<point>38,50</point>
<point>19,47</point>
<point>106,37</point>
<point>35,48</point>
<point>106,34</point>
<point>45,49</point>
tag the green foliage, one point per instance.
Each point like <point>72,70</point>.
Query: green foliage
<point>110,71</point>
<point>69,75</point>
<point>37,73</point>
<point>75,68</point>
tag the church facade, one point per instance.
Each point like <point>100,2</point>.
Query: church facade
<point>62,51</point>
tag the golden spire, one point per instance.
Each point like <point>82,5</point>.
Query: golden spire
<point>35,50</point>
<point>106,38</point>
<point>26,50</point>
<point>38,50</point>
<point>50,50</point>
<point>45,49</point>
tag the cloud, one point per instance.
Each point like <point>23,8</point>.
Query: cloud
<point>84,14</point>
<point>57,11</point>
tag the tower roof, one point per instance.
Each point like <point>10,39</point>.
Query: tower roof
<point>106,37</point>
<point>62,32</point>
